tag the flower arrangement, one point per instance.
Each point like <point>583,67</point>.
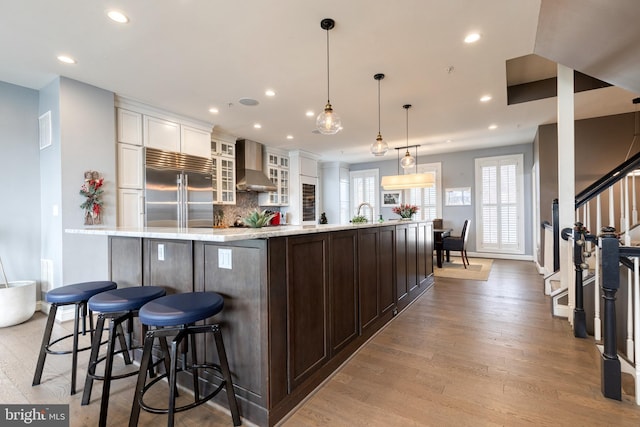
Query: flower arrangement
<point>405,210</point>
<point>92,191</point>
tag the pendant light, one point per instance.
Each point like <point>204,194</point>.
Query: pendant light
<point>328,122</point>
<point>380,147</point>
<point>407,161</point>
<point>407,180</point>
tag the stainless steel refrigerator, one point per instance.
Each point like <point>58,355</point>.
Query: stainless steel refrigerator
<point>178,190</point>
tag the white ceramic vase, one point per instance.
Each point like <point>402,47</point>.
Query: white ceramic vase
<point>17,302</point>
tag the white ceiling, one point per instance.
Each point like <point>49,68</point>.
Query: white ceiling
<point>186,56</point>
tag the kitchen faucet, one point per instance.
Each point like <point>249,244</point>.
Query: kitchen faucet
<point>370,209</point>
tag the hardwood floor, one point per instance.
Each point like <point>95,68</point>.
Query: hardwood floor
<point>472,353</point>
<point>465,353</point>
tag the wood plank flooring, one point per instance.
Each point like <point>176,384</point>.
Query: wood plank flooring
<point>467,353</point>
<point>472,353</point>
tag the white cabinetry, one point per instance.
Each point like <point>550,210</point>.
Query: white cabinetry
<point>194,141</point>
<point>335,192</point>
<point>304,189</point>
<point>223,156</point>
<point>172,136</point>
<point>130,207</point>
<point>276,167</point>
<point>129,127</point>
<point>139,126</point>
<point>161,134</point>
<point>130,166</point>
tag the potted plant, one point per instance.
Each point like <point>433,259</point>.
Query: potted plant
<point>258,219</point>
<point>405,210</point>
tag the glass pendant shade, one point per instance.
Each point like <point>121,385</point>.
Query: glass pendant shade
<point>328,122</point>
<point>380,147</point>
<point>407,161</point>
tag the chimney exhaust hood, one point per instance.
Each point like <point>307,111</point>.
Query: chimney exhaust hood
<point>249,175</point>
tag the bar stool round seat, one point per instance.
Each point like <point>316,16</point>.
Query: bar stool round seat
<point>174,316</point>
<point>181,309</point>
<point>125,299</point>
<point>119,306</point>
<point>71,294</point>
<point>77,294</point>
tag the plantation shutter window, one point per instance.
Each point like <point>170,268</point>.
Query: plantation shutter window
<point>500,213</point>
<point>365,189</point>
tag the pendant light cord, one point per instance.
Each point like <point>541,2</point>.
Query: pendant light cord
<point>328,101</point>
<point>379,106</point>
<point>407,109</point>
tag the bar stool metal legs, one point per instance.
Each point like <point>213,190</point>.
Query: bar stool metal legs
<point>77,294</point>
<point>179,334</point>
<point>175,316</point>
<point>119,307</point>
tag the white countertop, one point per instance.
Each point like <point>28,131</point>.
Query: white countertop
<point>222,234</point>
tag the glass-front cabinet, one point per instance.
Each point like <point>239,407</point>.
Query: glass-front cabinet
<point>224,172</point>
<point>276,167</point>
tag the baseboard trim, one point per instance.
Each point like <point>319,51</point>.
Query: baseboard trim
<point>515,257</point>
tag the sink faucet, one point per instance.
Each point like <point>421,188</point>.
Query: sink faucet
<point>370,209</point>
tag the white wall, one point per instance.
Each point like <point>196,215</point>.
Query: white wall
<point>19,183</point>
<point>83,138</point>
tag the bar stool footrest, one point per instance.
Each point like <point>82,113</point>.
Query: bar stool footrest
<point>214,393</point>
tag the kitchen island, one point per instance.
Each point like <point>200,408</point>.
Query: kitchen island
<point>299,300</point>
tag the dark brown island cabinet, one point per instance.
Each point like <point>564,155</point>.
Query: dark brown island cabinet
<point>296,306</point>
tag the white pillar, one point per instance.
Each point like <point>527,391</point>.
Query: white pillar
<point>566,175</point>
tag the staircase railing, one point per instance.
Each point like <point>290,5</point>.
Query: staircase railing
<point>619,183</point>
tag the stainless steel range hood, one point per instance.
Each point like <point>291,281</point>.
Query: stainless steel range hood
<point>249,175</point>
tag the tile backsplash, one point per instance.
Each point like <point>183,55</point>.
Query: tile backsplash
<point>246,202</point>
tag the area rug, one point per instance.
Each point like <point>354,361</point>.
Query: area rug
<point>478,269</point>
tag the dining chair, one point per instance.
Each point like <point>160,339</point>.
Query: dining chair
<point>458,243</point>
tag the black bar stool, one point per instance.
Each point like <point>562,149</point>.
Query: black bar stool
<point>119,306</point>
<point>174,316</point>
<point>77,294</point>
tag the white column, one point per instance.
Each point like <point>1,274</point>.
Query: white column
<point>566,175</point>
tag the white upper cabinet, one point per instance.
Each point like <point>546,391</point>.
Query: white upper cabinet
<point>129,127</point>
<point>276,167</point>
<point>161,134</point>
<point>140,124</point>
<point>195,141</point>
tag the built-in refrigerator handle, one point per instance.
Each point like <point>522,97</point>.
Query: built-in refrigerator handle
<point>179,187</point>
<point>185,199</point>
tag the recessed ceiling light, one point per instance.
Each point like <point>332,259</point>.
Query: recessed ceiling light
<point>472,38</point>
<point>289,136</point>
<point>117,16</point>
<point>270,92</point>
<point>449,140</point>
<point>66,59</point>
<point>213,110</point>
<point>257,125</point>
<point>310,113</point>
<point>485,98</point>
<point>492,127</point>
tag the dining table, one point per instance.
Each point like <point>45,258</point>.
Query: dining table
<point>438,236</point>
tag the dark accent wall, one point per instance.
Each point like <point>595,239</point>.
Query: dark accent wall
<point>601,144</point>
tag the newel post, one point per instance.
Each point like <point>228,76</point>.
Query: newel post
<point>611,383</point>
<point>579,317</point>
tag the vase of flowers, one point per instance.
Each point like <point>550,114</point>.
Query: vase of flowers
<point>92,191</point>
<point>405,210</point>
